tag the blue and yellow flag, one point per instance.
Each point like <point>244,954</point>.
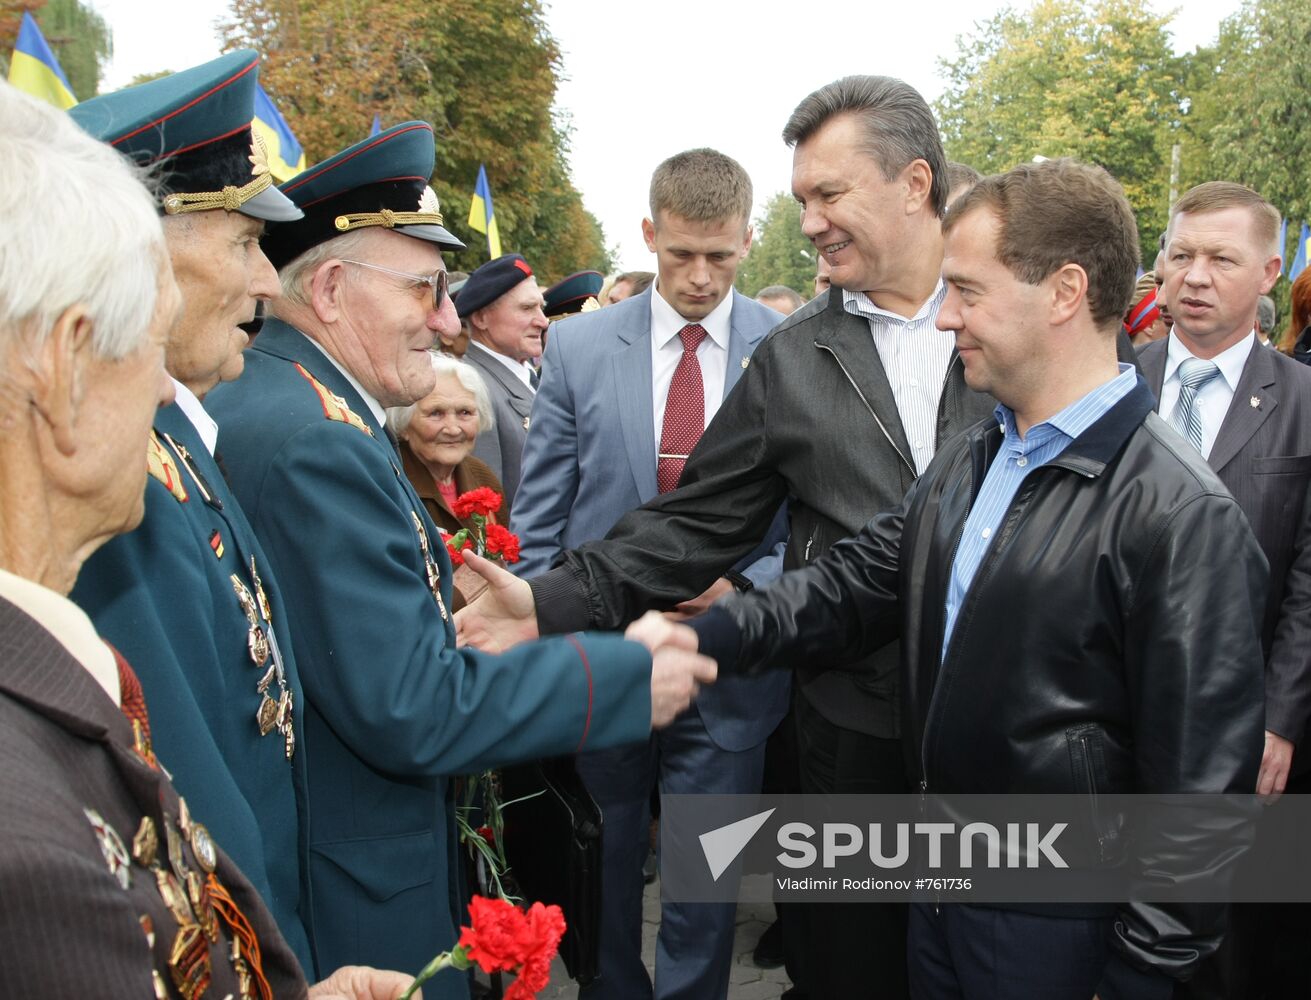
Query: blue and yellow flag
<point>482,218</point>
<point>1299,258</point>
<point>286,158</point>
<point>35,70</point>
<point>377,125</point>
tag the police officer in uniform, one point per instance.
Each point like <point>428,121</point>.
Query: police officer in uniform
<point>189,597</point>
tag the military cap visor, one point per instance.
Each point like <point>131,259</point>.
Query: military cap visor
<point>571,294</point>
<point>194,127</point>
<point>380,182</point>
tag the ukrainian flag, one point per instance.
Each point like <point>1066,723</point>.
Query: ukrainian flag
<point>286,158</point>
<point>482,218</point>
<point>35,70</point>
<point>1300,257</point>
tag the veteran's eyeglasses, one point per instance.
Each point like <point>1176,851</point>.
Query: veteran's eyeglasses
<point>436,281</point>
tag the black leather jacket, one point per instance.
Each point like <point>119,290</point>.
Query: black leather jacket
<point>1116,615</point>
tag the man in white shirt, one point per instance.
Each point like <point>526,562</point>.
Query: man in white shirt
<point>507,325</point>
<point>1248,411</point>
<point>626,393</point>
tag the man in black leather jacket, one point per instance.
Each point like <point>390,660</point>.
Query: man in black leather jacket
<point>1069,573</point>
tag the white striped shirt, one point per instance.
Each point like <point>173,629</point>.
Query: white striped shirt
<point>915,356</point>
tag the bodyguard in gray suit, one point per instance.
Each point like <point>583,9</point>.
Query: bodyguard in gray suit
<point>1248,410</point>
<point>503,307</point>
<point>601,444</point>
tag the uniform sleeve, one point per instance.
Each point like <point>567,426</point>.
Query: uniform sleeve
<point>672,548</point>
<point>376,658</point>
<point>549,476</point>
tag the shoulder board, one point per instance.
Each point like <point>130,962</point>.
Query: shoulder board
<point>334,407</point>
<point>160,464</point>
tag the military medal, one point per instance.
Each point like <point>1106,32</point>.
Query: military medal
<point>175,898</point>
<point>202,846</point>
<point>189,962</point>
<point>429,565</point>
<point>285,724</point>
<point>258,644</point>
<point>145,844</point>
<point>112,848</point>
<point>262,597</point>
<point>203,906</point>
<point>266,715</point>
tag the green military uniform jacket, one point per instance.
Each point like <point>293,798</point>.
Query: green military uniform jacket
<point>164,596</point>
<point>393,707</point>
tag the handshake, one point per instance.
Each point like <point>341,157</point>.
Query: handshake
<point>504,615</point>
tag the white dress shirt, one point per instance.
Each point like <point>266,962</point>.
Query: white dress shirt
<point>523,371</point>
<point>66,622</point>
<point>1213,399</point>
<point>667,351</point>
<point>197,414</point>
<point>915,356</point>
<point>379,414</point>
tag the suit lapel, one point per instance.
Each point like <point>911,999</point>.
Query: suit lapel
<point>742,341</point>
<point>632,381</point>
<point>848,339</point>
<point>503,376</point>
<point>1151,361</point>
<point>1254,400</point>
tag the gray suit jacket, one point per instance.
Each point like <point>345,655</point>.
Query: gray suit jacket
<point>1263,455</point>
<point>512,401</point>
<point>590,457</point>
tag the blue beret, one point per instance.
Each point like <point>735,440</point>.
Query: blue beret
<point>490,282</point>
<point>568,296</point>
<point>381,181</point>
<point>197,123</point>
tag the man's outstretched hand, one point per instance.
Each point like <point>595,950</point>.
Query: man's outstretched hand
<point>502,616</point>
<point>677,669</point>
<point>358,982</point>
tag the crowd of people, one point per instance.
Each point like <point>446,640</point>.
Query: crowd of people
<point>988,513</point>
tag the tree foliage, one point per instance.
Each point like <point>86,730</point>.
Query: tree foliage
<point>483,72</point>
<point>78,36</point>
<point>1092,79</point>
<point>780,254</point>
<point>1251,122</point>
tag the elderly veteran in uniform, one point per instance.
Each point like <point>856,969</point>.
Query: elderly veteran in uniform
<point>111,887</point>
<point>503,308</point>
<point>189,597</point>
<point>393,707</point>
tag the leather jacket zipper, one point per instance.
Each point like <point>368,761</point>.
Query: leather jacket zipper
<point>909,464</point>
<point>1092,795</point>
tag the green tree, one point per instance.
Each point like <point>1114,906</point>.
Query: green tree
<point>1251,120</point>
<point>780,254</point>
<point>483,72</point>
<point>78,36</point>
<point>1091,79</point>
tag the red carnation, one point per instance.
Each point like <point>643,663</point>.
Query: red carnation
<point>484,500</point>
<point>453,549</point>
<point>503,542</point>
<point>496,941</point>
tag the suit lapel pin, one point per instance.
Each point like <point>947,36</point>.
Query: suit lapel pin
<point>525,423</point>
<point>745,362</point>
<point>1255,401</point>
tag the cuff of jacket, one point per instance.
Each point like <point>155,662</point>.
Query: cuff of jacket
<point>560,602</point>
<point>1285,720</point>
<point>1123,981</point>
<point>718,637</point>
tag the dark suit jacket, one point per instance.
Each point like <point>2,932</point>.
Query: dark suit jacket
<point>68,928</point>
<point>1263,455</point>
<point>512,402</point>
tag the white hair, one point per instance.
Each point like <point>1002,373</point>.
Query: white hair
<point>399,417</point>
<point>292,276</point>
<point>79,227</point>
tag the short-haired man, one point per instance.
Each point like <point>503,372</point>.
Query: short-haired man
<point>1248,412</point>
<point>189,597</point>
<point>780,298</point>
<point>112,887</point>
<point>626,285</point>
<point>839,411</point>
<point>1267,318</point>
<point>1018,656</point>
<point>505,312</point>
<point>393,707</point>
<point>626,392</point>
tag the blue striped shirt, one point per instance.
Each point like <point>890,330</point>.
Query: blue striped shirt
<point>1018,457</point>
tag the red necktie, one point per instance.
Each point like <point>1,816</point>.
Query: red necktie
<point>132,701</point>
<point>685,411</point>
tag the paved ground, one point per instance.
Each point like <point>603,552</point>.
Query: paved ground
<point>746,982</point>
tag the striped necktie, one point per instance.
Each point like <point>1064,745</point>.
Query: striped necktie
<point>1194,374</point>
